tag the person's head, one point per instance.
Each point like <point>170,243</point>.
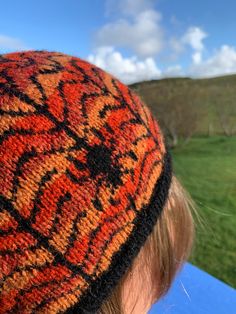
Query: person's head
<point>92,217</point>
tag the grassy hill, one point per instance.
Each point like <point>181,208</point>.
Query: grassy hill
<point>213,97</point>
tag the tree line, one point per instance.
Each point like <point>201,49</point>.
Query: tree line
<point>185,110</point>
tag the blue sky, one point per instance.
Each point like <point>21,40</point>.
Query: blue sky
<point>133,39</point>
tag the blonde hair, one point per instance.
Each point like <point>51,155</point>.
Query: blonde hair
<point>166,249</point>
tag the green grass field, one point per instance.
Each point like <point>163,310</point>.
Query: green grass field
<point>207,169</point>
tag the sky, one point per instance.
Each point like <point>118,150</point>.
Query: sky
<point>135,40</point>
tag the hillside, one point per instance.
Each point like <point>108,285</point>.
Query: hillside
<point>214,99</point>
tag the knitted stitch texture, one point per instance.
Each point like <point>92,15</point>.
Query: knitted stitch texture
<point>84,176</point>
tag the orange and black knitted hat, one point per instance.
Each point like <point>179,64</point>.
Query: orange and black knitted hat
<point>84,175</point>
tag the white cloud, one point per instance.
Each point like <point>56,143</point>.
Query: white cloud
<point>10,43</point>
<point>142,33</point>
<point>194,37</point>
<point>128,70</point>
<point>197,57</point>
<point>136,26</point>
<point>222,62</point>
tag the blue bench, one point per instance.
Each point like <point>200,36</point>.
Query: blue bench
<point>196,292</point>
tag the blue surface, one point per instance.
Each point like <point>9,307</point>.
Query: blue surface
<point>196,292</point>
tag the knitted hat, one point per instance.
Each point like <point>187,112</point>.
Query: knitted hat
<point>84,175</point>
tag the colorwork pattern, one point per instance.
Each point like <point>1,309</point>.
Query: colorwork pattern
<point>84,174</point>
